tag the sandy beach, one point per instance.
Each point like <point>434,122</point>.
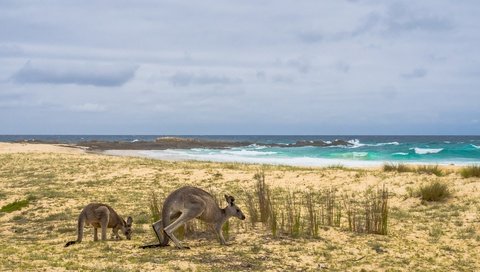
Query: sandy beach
<point>58,181</point>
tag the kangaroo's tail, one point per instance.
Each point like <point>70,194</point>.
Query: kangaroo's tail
<point>70,243</point>
<point>80,225</point>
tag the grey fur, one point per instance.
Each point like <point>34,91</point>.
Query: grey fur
<point>187,203</point>
<point>102,216</point>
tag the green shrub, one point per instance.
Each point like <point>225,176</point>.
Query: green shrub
<point>435,191</point>
<point>336,167</point>
<point>470,171</point>
<point>15,206</point>
<point>430,169</point>
<point>392,167</point>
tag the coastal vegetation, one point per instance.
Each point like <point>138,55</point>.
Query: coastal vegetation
<point>298,218</point>
<point>15,206</point>
<point>434,191</point>
<point>420,169</point>
<point>394,167</point>
<point>470,171</point>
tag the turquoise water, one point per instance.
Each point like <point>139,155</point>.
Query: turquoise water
<point>365,150</point>
<point>359,154</point>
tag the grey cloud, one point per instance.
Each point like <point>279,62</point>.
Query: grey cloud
<point>311,36</point>
<point>73,73</point>
<point>10,50</point>
<point>282,79</point>
<point>397,19</point>
<point>417,73</point>
<point>10,99</point>
<point>260,75</point>
<point>185,79</point>
<point>401,18</point>
<point>370,22</point>
<point>342,67</point>
<point>88,107</point>
<point>207,54</point>
<point>302,64</point>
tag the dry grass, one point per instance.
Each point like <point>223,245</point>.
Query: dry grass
<point>470,171</point>
<point>400,167</point>
<point>434,191</point>
<point>437,236</point>
<point>420,169</point>
<point>430,170</point>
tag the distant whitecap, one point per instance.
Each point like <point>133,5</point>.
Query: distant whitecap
<point>423,151</point>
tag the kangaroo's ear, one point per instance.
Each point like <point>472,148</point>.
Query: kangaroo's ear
<point>229,199</point>
<point>129,220</point>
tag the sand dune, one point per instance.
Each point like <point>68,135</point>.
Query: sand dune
<point>58,181</point>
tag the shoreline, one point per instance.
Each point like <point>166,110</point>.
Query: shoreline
<point>173,155</point>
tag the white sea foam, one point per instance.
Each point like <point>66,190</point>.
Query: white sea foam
<point>355,143</point>
<point>176,155</point>
<point>423,151</point>
<point>400,153</point>
<point>135,140</point>
<point>257,147</point>
<point>382,144</point>
<point>244,152</point>
<point>360,154</point>
<point>476,146</point>
<point>216,156</point>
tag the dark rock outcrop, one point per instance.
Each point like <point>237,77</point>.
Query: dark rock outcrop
<point>163,143</point>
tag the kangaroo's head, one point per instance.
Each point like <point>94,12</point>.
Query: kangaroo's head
<point>232,209</point>
<point>127,228</point>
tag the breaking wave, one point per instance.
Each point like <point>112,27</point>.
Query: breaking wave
<point>212,155</point>
<point>245,152</point>
<point>355,143</point>
<point>423,151</point>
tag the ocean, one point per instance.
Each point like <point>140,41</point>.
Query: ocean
<point>364,151</point>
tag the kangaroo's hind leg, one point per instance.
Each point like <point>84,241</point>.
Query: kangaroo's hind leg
<point>186,216</point>
<point>80,226</point>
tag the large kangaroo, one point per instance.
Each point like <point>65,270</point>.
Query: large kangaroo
<point>102,216</point>
<point>189,202</point>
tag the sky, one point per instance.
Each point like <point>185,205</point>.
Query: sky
<point>240,67</point>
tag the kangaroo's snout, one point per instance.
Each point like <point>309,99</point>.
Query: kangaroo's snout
<point>243,217</point>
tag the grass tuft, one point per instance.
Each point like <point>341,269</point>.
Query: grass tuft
<point>154,206</point>
<point>15,206</point>
<point>336,167</point>
<point>262,192</point>
<point>470,171</point>
<point>400,167</point>
<point>430,170</point>
<point>435,191</point>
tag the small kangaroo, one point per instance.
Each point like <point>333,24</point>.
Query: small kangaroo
<point>102,216</point>
<point>187,203</point>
